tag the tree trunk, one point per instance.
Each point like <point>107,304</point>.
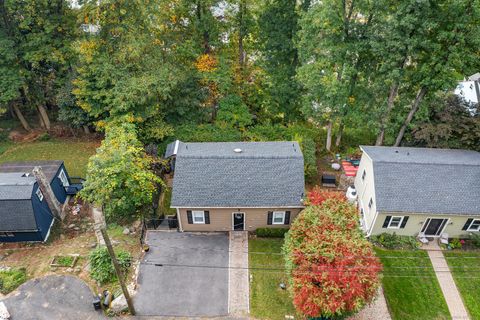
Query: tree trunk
<point>339,135</point>
<point>241,51</point>
<point>20,117</point>
<point>391,98</point>
<point>86,129</point>
<point>328,144</point>
<point>44,116</point>
<point>416,104</point>
<point>99,223</point>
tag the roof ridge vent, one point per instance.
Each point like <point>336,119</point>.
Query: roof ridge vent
<point>237,150</point>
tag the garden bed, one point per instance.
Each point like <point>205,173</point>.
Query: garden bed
<point>68,261</point>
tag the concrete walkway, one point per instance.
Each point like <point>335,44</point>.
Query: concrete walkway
<point>238,283</point>
<point>447,284</point>
<point>377,310</point>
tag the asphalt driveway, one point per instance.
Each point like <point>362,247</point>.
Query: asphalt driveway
<point>184,274</point>
<point>52,297</point>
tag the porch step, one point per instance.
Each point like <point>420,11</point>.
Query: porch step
<point>238,275</point>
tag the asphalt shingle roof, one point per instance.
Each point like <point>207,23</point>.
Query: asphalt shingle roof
<point>50,167</point>
<point>263,174</point>
<point>425,180</point>
<point>17,215</point>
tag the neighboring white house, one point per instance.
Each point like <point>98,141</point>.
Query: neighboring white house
<point>469,89</point>
<point>414,190</point>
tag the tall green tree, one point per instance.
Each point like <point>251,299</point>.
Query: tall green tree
<point>278,26</point>
<point>119,176</point>
<point>36,39</point>
<point>334,51</point>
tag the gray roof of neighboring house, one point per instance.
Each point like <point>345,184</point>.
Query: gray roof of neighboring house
<point>474,77</point>
<point>263,174</point>
<point>425,180</point>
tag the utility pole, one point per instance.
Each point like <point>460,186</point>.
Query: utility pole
<point>118,271</point>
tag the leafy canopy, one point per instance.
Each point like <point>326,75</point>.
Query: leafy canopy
<point>119,176</point>
<point>332,267</point>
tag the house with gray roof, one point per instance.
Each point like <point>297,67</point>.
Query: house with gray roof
<point>24,213</point>
<point>223,186</point>
<point>419,191</point>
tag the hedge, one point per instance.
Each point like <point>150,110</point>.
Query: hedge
<point>271,232</point>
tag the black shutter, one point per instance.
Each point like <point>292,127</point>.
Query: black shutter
<point>404,222</point>
<point>207,217</point>
<point>386,222</point>
<point>269,217</point>
<point>287,217</point>
<point>467,224</point>
<point>189,217</point>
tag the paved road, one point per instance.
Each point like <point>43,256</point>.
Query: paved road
<point>52,297</point>
<point>186,284</point>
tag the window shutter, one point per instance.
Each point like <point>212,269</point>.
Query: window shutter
<point>189,217</point>
<point>386,222</point>
<point>287,217</point>
<point>467,224</point>
<point>207,217</point>
<point>269,217</point>
<point>404,222</point>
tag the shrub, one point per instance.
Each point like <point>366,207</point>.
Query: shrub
<point>11,279</point>
<point>101,266</point>
<point>332,267</point>
<point>317,196</point>
<point>44,137</point>
<point>456,243</point>
<point>271,232</point>
<point>3,135</point>
<point>475,237</point>
<point>394,241</point>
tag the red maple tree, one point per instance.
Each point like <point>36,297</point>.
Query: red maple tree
<point>332,267</point>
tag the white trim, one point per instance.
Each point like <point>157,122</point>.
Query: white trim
<point>39,194</point>
<point>179,218</point>
<point>399,223</point>
<point>473,230</point>
<point>441,231</point>
<point>369,233</point>
<point>198,212</point>
<point>63,178</point>
<point>241,207</point>
<point>175,148</point>
<point>283,217</point>
<point>233,220</point>
<point>49,228</point>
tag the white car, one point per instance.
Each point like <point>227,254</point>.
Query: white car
<point>351,194</point>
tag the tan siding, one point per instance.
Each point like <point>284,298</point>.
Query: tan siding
<point>221,219</point>
<point>415,223</point>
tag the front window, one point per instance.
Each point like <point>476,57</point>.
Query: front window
<point>198,217</point>
<point>39,194</point>
<point>279,217</point>
<point>395,222</point>
<point>475,225</point>
<point>63,177</point>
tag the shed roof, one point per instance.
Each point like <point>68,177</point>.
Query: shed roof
<point>257,174</point>
<point>17,215</point>
<point>50,167</point>
<point>426,180</point>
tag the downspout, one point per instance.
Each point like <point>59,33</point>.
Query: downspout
<point>180,228</point>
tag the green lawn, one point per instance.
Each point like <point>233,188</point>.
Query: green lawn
<point>75,153</point>
<point>411,287</point>
<point>465,266</point>
<point>267,299</point>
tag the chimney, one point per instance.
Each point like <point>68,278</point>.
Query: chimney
<point>48,194</point>
<point>99,223</point>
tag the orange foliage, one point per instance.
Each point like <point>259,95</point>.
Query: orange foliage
<point>317,196</point>
<point>206,63</point>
